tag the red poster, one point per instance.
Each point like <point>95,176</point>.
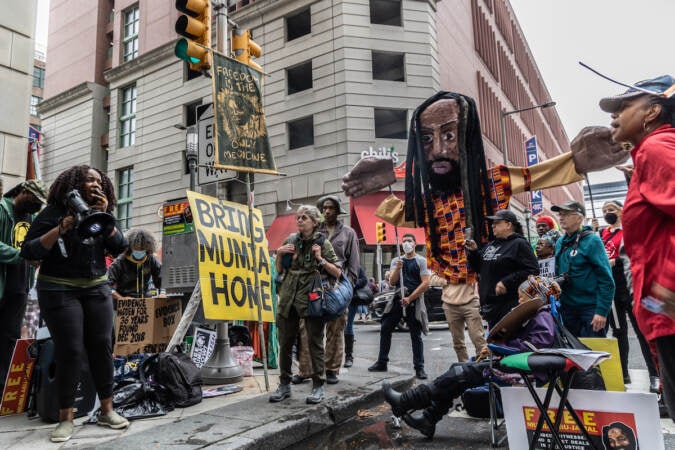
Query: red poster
<point>18,379</point>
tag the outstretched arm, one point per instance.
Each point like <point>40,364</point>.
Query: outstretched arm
<point>368,175</point>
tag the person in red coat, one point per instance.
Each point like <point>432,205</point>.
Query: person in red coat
<point>647,122</point>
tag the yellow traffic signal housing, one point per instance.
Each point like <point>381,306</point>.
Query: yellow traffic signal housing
<point>244,48</point>
<point>195,25</point>
<point>380,232</point>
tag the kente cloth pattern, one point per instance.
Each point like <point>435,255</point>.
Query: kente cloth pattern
<point>450,224</point>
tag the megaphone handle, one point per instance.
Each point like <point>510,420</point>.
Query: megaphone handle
<point>62,246</point>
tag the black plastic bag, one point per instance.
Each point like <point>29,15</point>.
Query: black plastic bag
<point>138,400</point>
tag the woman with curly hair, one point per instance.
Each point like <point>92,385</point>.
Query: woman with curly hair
<point>131,272</point>
<point>73,291</point>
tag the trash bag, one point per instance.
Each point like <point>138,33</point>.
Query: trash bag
<point>138,400</point>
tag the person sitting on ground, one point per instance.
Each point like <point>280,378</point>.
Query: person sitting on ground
<point>436,398</point>
<point>130,274</point>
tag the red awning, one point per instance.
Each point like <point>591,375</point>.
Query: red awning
<point>279,230</point>
<point>363,220</point>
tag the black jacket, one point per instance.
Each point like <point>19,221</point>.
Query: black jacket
<point>133,280</point>
<point>83,260</point>
<point>511,261</point>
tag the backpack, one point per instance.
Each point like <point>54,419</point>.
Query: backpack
<point>287,259</point>
<point>178,376</point>
<point>476,402</point>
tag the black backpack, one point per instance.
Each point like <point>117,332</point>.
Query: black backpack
<point>178,376</point>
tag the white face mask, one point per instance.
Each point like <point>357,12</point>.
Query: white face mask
<point>408,247</point>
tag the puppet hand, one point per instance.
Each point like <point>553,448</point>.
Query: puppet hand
<point>368,175</point>
<point>593,149</point>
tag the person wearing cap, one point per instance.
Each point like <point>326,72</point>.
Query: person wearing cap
<point>339,332</point>
<point>644,117</point>
<point>17,210</point>
<point>502,265</point>
<point>530,323</point>
<point>580,257</point>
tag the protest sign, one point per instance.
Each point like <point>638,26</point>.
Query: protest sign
<point>145,325</point>
<point>242,142</point>
<point>636,414</point>
<point>547,267</point>
<point>15,394</point>
<point>203,344</point>
<point>176,218</point>
<point>226,260</point>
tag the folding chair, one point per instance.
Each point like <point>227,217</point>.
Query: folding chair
<point>556,367</point>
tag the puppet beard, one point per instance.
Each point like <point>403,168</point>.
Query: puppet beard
<point>446,183</point>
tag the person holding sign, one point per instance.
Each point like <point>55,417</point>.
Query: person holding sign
<point>73,290</point>
<point>131,272</point>
<point>309,252</point>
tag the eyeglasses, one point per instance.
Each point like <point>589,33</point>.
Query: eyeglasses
<point>302,218</point>
<point>566,213</point>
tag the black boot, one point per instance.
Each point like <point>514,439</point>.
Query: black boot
<point>349,350</point>
<point>426,422</point>
<point>413,399</point>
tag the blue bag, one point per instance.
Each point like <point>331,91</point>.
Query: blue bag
<point>329,301</point>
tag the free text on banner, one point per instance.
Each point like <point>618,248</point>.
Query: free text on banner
<point>242,142</point>
<point>226,271</point>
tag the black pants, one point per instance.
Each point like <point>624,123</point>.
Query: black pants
<point>389,322</point>
<point>621,335</point>
<point>666,355</point>
<point>12,310</point>
<point>79,321</point>
<point>458,378</point>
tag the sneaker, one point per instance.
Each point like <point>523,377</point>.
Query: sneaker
<point>331,377</point>
<point>282,392</point>
<point>421,374</point>
<point>63,431</point>
<point>316,396</point>
<point>113,420</point>
<point>297,379</point>
<point>378,367</point>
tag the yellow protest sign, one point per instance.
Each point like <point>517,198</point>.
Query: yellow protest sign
<point>225,254</point>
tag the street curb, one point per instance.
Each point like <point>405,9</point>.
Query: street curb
<point>314,420</point>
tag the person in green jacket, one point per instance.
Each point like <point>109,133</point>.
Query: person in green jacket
<point>580,257</point>
<point>17,209</point>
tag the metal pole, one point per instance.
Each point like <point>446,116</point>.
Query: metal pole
<point>258,288</point>
<point>191,153</point>
<point>502,114</point>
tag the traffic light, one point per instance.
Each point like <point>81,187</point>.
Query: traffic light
<point>244,48</point>
<point>380,231</point>
<point>195,25</point>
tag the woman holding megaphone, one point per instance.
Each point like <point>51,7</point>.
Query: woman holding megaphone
<point>71,237</point>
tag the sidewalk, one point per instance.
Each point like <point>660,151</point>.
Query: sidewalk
<point>244,419</point>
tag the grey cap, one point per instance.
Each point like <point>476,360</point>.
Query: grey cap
<point>334,198</point>
<point>504,214</point>
<point>657,85</point>
<point>570,205</point>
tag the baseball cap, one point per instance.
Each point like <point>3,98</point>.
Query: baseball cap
<point>504,214</point>
<point>37,188</point>
<point>658,86</point>
<point>334,198</point>
<point>570,205</point>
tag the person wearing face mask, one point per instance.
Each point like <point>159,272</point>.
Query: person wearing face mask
<point>612,237</point>
<point>409,304</point>
<point>131,272</point>
<point>17,209</point>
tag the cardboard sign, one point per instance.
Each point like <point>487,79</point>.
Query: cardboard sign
<point>203,344</point>
<point>547,267</point>
<point>635,415</point>
<point>226,260</point>
<point>145,325</point>
<point>15,393</point>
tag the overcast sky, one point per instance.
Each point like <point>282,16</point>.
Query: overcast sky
<point>626,39</point>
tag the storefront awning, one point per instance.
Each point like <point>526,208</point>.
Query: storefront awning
<point>279,230</point>
<point>363,220</point>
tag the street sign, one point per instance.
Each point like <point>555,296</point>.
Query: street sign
<point>536,198</point>
<point>205,172</point>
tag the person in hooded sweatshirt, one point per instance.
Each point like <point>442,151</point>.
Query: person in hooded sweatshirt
<point>501,265</point>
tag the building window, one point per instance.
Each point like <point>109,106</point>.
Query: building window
<point>301,132</point>
<point>128,117</point>
<point>125,189</point>
<point>385,12</point>
<point>299,78</point>
<point>388,66</point>
<point>130,38</point>
<point>34,100</point>
<point>391,123</point>
<point>38,77</point>
<point>298,25</point>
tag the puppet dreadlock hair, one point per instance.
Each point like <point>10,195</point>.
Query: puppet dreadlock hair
<point>73,178</point>
<point>418,200</point>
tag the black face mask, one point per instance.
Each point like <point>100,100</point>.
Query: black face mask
<point>611,218</point>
